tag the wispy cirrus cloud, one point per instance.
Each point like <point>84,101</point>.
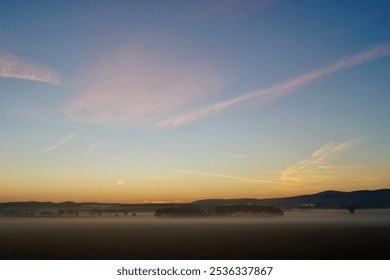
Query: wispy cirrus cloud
<point>12,66</point>
<point>320,167</point>
<point>59,144</point>
<point>228,177</point>
<point>159,177</point>
<point>136,85</point>
<point>36,116</point>
<point>268,94</point>
<point>33,115</point>
<point>94,146</point>
<point>320,164</point>
<point>240,155</point>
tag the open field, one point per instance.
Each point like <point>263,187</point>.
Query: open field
<point>330,234</point>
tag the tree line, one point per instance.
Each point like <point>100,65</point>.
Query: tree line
<point>244,210</point>
<point>241,210</point>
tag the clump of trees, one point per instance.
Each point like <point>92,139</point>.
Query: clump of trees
<point>242,210</point>
<point>46,213</point>
<point>60,213</point>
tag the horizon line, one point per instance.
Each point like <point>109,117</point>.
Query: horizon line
<point>123,203</point>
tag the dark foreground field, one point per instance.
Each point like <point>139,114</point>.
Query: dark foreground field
<point>297,235</point>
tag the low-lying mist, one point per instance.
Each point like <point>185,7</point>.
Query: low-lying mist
<point>310,234</point>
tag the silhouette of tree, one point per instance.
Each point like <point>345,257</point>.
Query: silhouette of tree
<point>351,209</point>
<point>180,212</point>
<point>243,210</point>
<point>225,210</point>
<point>96,212</point>
<point>61,212</point>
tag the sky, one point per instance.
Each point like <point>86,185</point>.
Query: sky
<point>176,101</point>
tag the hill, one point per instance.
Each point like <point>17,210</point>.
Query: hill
<point>327,199</point>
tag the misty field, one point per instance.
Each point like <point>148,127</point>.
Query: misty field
<point>315,234</point>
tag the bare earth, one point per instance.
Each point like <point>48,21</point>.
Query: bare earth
<point>331,234</point>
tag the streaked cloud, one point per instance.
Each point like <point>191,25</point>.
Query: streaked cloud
<point>159,177</point>
<point>120,182</point>
<point>12,66</point>
<point>59,144</point>
<point>94,146</point>
<point>34,115</point>
<point>320,165</point>
<point>265,95</point>
<point>136,85</point>
<point>240,155</point>
<point>228,177</point>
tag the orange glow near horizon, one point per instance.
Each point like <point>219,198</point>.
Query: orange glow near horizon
<point>166,192</point>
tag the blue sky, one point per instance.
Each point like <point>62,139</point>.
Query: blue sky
<point>134,101</point>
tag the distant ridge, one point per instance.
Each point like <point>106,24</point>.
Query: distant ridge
<point>327,199</point>
<point>20,207</point>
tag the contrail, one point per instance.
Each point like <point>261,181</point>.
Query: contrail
<point>12,66</point>
<point>159,177</point>
<point>93,147</point>
<point>282,88</point>
<point>61,143</point>
<point>228,177</point>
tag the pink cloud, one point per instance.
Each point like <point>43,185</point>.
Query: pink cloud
<point>137,86</point>
<point>15,67</point>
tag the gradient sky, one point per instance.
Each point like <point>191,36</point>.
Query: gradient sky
<point>175,101</point>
